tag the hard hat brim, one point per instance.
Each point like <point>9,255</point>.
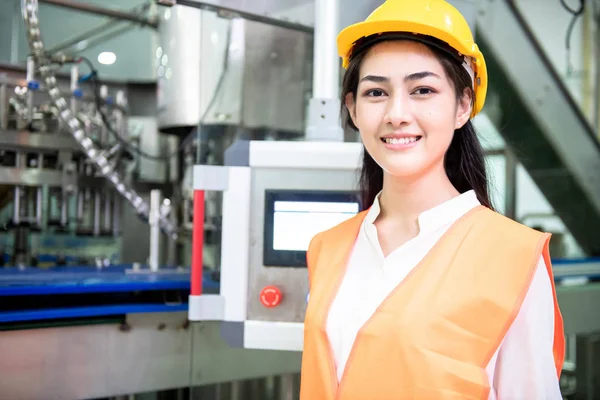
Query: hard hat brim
<point>350,35</point>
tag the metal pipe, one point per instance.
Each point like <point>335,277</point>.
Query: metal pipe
<point>64,208</point>
<point>82,37</point>
<point>116,227</point>
<point>97,210</point>
<point>15,34</point>
<point>39,203</point>
<point>326,67</point>
<point>74,87</point>
<point>17,206</point>
<point>102,11</point>
<point>153,218</point>
<point>107,213</point>
<point>30,78</point>
<point>85,36</point>
<point>88,44</point>
<point>511,184</point>
<point>197,243</point>
<point>286,388</point>
<point>248,11</point>
<point>3,107</point>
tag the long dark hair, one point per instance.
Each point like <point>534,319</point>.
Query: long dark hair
<point>464,161</point>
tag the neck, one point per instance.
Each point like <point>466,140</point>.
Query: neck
<point>404,199</point>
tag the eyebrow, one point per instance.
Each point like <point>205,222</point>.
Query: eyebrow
<point>412,77</point>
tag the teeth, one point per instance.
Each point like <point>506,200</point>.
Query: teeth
<point>405,140</point>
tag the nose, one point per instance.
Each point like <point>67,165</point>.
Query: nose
<point>398,112</point>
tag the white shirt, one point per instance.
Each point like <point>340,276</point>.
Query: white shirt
<point>523,365</point>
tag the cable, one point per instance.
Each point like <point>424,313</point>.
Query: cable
<point>93,76</point>
<point>576,14</point>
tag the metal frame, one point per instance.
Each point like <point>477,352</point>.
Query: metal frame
<point>257,10</point>
<point>127,16</point>
<point>145,353</point>
<point>564,155</point>
<point>236,182</point>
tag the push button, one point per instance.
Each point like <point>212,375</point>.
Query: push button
<point>270,296</point>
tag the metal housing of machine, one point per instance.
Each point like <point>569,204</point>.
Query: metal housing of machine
<point>247,74</point>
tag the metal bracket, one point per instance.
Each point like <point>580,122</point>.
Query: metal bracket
<point>324,121</point>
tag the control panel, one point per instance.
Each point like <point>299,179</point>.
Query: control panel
<point>276,197</point>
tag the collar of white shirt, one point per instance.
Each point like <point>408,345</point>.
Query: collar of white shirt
<point>438,216</point>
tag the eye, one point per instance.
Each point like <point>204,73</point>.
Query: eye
<point>375,93</point>
<point>423,91</point>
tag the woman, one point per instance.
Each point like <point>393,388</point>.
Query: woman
<point>428,293</point>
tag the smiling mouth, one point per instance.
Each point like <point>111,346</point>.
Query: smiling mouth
<point>404,140</point>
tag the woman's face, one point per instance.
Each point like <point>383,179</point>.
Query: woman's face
<point>406,108</point>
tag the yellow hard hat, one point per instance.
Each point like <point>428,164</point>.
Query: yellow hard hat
<point>432,18</point>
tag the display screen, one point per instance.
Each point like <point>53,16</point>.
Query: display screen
<point>296,222</point>
<point>293,218</point>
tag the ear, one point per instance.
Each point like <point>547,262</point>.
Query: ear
<point>463,110</point>
<point>351,106</point>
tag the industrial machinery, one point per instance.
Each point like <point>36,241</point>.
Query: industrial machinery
<point>276,197</point>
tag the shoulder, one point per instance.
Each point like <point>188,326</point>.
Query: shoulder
<point>501,238</point>
<point>505,228</point>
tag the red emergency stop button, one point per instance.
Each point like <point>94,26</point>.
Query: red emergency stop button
<point>270,296</point>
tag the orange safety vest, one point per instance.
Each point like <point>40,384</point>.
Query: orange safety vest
<point>434,335</point>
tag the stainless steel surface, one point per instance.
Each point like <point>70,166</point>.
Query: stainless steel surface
<point>155,201</point>
<point>323,123</point>
<point>293,282</point>
<point>85,362</point>
<point>277,78</point>
<point>326,65</point>
<point>214,361</point>
<point>556,144</point>
<point>30,176</point>
<point>25,140</point>
<point>180,49</point>
<point>152,142</point>
<point>151,352</point>
<point>246,73</point>
<point>92,9</point>
<point>199,68</point>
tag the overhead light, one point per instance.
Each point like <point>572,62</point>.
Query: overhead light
<point>107,58</point>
